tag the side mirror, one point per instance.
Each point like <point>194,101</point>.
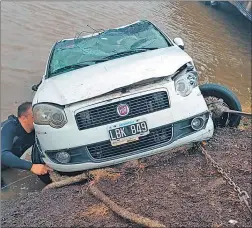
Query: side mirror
<point>180,43</point>
<point>35,87</point>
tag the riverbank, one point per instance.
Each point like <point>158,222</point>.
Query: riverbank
<point>178,190</point>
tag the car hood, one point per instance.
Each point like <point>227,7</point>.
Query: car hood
<point>101,78</point>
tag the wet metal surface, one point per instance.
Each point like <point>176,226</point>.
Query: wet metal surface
<point>219,41</point>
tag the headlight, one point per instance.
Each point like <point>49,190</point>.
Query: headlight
<point>185,81</point>
<point>46,114</point>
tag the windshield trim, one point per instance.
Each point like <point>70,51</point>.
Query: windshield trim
<point>47,75</point>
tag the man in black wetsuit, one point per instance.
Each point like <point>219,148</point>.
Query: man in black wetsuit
<point>17,135</point>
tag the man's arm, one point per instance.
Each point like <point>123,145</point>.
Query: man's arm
<point>7,157</point>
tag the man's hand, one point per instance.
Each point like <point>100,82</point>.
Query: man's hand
<point>40,169</point>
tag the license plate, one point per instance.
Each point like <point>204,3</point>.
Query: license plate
<point>127,132</point>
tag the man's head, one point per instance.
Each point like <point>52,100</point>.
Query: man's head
<point>25,116</point>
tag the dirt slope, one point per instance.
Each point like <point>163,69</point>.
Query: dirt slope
<point>178,190</point>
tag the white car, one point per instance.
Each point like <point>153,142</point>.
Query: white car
<point>117,95</point>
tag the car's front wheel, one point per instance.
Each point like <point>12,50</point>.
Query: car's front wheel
<point>36,159</point>
<point>218,94</point>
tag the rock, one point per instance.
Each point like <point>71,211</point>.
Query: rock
<point>232,221</point>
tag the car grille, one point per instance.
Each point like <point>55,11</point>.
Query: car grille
<point>156,137</point>
<point>108,113</point>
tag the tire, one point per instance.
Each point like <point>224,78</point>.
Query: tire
<point>36,159</point>
<point>228,97</point>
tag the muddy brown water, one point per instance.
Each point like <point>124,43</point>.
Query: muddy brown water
<point>219,41</point>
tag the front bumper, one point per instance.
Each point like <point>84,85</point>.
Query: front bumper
<point>201,135</point>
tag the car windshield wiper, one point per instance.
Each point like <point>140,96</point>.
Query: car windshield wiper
<point>70,67</point>
<point>124,53</point>
<point>79,65</point>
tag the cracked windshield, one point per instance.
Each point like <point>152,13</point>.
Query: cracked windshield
<point>107,45</point>
<point>126,114</point>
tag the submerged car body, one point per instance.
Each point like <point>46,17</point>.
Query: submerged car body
<point>117,95</point>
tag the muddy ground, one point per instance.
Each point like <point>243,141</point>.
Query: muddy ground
<point>178,189</point>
